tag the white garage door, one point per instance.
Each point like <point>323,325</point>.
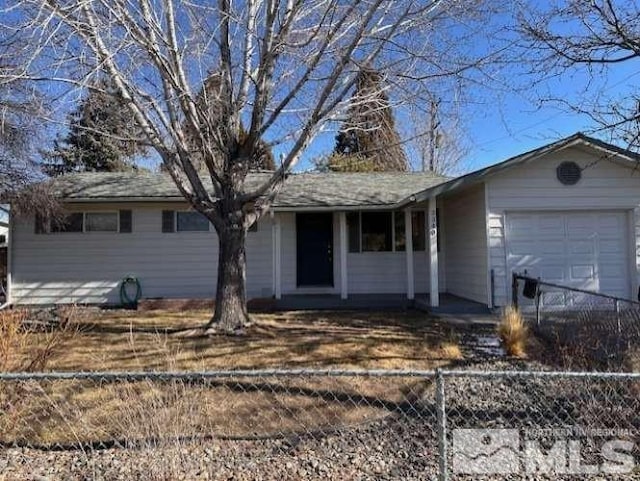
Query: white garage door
<point>587,250</point>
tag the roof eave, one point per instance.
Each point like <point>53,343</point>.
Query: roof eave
<point>481,174</point>
<point>85,200</point>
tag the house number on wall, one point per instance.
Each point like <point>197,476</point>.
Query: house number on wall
<point>433,227</point>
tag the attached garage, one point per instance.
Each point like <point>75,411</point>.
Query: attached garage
<point>567,213</point>
<point>586,250</point>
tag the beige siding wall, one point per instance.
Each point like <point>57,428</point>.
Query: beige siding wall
<point>386,272</point>
<point>465,241</point>
<point>605,185</point>
<point>87,268</point>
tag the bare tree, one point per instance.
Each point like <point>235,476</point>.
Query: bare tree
<point>436,138</point>
<point>286,69</point>
<point>592,37</point>
<point>20,109</point>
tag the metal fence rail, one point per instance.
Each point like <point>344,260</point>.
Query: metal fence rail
<point>319,424</point>
<point>605,326</point>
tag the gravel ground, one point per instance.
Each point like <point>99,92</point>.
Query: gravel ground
<point>401,446</point>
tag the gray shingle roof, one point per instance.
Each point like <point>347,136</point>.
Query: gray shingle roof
<point>299,190</point>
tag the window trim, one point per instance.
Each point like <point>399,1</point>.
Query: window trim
<point>389,228</point>
<point>49,226</point>
<point>50,231</point>
<point>84,222</point>
<point>393,230</point>
<point>43,226</point>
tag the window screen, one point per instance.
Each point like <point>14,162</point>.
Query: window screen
<point>376,231</point>
<point>126,222</point>
<point>168,221</point>
<point>353,228</point>
<point>417,231</point>
<point>71,223</point>
<point>398,225</point>
<point>192,222</point>
<point>101,222</point>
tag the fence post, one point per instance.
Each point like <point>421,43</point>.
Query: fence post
<point>617,306</point>
<point>514,290</point>
<point>538,296</point>
<point>443,471</point>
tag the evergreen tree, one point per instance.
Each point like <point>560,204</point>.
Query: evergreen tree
<point>102,137</point>
<point>368,139</point>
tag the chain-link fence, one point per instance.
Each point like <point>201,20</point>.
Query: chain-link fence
<point>603,326</point>
<point>400,425</point>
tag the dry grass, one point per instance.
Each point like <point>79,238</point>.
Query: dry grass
<point>29,347</point>
<point>164,340</point>
<point>148,412</point>
<point>514,332</point>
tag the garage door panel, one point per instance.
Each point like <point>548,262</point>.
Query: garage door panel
<point>582,247</point>
<point>582,272</point>
<point>542,248</point>
<point>552,274</point>
<point>612,270</point>
<point>554,224</point>
<point>550,248</point>
<point>520,227</point>
<point>612,246</point>
<point>608,223</point>
<point>522,248</point>
<point>585,250</point>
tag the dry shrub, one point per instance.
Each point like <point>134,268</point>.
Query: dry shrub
<point>631,359</point>
<point>26,345</point>
<point>451,351</point>
<point>29,346</point>
<point>514,332</point>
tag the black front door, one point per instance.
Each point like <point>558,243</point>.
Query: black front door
<point>314,244</point>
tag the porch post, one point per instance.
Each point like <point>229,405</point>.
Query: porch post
<point>432,237</point>
<point>408,235</point>
<point>276,234</point>
<point>343,255</point>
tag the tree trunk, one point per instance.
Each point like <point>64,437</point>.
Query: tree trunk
<point>231,301</point>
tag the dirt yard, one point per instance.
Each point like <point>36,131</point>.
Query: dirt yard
<point>163,340</point>
<point>66,412</point>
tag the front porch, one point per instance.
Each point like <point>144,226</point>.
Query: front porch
<point>366,258</point>
<point>450,305</point>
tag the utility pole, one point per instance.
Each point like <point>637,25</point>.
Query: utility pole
<point>434,125</point>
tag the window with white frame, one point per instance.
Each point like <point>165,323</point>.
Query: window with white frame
<point>379,231</point>
<point>191,221</point>
<point>184,221</point>
<point>79,222</point>
<point>73,222</point>
<point>101,222</point>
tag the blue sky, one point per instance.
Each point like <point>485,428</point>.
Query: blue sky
<point>516,123</point>
<point>503,122</point>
